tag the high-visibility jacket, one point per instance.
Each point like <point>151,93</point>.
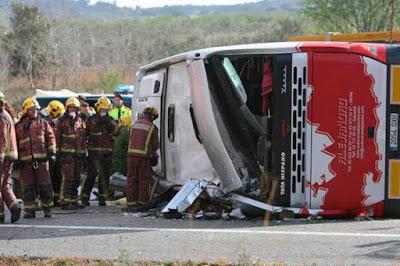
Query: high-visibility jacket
<point>143,139</point>
<point>71,135</point>
<point>100,133</point>
<point>8,141</point>
<point>35,139</point>
<point>118,112</point>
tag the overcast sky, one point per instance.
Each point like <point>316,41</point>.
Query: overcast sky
<point>155,3</point>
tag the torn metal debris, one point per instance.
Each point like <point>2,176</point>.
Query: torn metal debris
<point>190,191</point>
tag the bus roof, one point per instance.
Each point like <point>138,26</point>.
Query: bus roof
<point>269,48</point>
<point>256,48</point>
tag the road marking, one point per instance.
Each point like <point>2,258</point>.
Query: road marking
<point>263,231</point>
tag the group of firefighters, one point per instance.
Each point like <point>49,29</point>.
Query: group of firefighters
<point>50,146</point>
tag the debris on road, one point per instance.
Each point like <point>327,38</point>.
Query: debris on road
<point>237,213</point>
<point>199,200</point>
<point>184,198</point>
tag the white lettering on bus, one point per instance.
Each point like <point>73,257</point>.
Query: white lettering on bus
<point>283,173</point>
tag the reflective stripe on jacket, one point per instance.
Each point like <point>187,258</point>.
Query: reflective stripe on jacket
<point>143,139</point>
<point>35,139</point>
<point>100,133</point>
<point>8,141</point>
<point>71,135</point>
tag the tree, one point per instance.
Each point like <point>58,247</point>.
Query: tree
<point>28,41</point>
<point>349,16</point>
<point>4,55</point>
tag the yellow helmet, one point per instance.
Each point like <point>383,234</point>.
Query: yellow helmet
<point>55,108</point>
<point>152,111</point>
<point>103,103</point>
<point>126,121</point>
<point>72,101</point>
<point>29,103</point>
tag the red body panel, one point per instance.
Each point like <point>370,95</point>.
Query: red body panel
<point>343,108</point>
<point>372,50</point>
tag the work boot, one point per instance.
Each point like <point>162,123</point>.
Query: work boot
<point>69,207</point>
<point>15,210</point>
<point>47,212</point>
<point>29,214</point>
<point>102,203</point>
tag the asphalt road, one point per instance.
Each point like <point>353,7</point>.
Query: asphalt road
<point>106,233</point>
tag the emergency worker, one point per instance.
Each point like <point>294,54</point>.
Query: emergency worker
<point>8,154</point>
<point>119,109</point>
<point>143,145</point>
<point>54,110</point>
<point>85,109</point>
<point>121,146</point>
<point>72,151</point>
<point>36,146</point>
<point>100,131</point>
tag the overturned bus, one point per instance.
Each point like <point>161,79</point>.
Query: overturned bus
<point>314,124</point>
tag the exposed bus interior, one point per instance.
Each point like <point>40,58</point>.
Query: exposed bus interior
<point>241,87</point>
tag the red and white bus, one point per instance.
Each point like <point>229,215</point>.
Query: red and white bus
<point>320,119</point>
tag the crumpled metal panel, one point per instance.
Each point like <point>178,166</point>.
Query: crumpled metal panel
<point>190,191</point>
<point>251,202</point>
<point>209,133</point>
<point>248,202</point>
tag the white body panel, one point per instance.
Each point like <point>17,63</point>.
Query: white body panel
<point>144,96</point>
<point>185,157</point>
<point>298,132</point>
<point>376,190</point>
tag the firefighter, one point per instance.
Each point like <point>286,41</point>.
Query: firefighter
<point>91,172</point>
<point>8,154</point>
<point>143,145</point>
<point>119,109</point>
<point>54,110</point>
<point>36,146</point>
<point>71,144</point>
<point>100,131</point>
